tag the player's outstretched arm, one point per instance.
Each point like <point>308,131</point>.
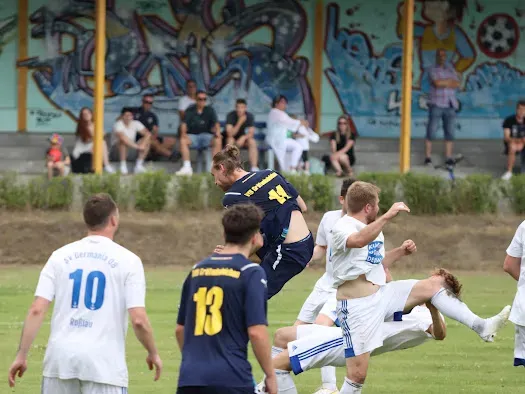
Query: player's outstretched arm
<point>438,329</point>
<point>262,349</point>
<point>144,333</point>
<point>408,247</point>
<point>32,325</point>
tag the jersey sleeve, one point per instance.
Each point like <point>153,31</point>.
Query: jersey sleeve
<point>229,119</point>
<point>340,234</point>
<point>250,121</point>
<point>507,123</point>
<point>320,238</point>
<point>135,286</point>
<point>46,287</point>
<point>255,303</point>
<point>213,117</point>
<point>138,126</point>
<point>119,127</point>
<point>181,318</point>
<point>515,248</point>
<point>293,192</point>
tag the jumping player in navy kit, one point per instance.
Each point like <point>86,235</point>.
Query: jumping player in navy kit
<point>288,243</point>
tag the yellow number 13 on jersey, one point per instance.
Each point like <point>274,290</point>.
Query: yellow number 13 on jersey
<point>209,323</point>
<point>278,194</point>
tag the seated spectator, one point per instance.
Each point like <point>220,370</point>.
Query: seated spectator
<point>82,154</point>
<point>57,157</point>
<point>160,145</point>
<point>514,137</point>
<point>200,130</point>
<point>188,99</point>
<point>131,141</point>
<point>240,131</point>
<point>342,144</point>
<point>279,124</point>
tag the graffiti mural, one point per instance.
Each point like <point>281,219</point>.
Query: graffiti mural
<point>156,46</point>
<point>482,41</point>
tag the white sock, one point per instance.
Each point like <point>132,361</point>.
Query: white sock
<point>276,350</point>
<point>285,383</point>
<point>451,307</point>
<point>139,162</point>
<point>329,378</point>
<point>186,164</point>
<point>350,387</point>
<point>123,163</point>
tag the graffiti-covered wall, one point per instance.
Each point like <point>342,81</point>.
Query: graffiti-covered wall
<point>363,47</point>
<point>232,48</point>
<point>255,49</point>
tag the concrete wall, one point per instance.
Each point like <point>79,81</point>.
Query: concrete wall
<point>255,49</point>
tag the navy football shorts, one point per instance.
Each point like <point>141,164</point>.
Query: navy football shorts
<point>215,390</point>
<point>283,262</point>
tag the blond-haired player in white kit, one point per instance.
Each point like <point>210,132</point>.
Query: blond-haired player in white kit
<point>514,265</point>
<point>95,283</point>
<point>324,290</point>
<point>365,300</point>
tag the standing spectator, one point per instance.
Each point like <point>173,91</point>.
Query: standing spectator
<point>82,153</point>
<point>442,104</point>
<point>131,141</point>
<point>240,131</point>
<point>514,136</point>
<point>162,146</point>
<point>58,159</point>
<point>190,98</point>
<point>200,129</point>
<point>278,124</point>
<point>342,143</point>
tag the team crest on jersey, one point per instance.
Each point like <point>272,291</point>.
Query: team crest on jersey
<point>374,252</point>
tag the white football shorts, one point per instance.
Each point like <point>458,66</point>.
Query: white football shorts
<point>313,304</point>
<point>330,308</point>
<point>361,318</point>
<point>75,386</point>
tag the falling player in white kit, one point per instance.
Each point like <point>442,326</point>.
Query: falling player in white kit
<point>514,265</point>
<point>95,283</point>
<point>315,346</point>
<point>324,288</point>
<point>365,300</point>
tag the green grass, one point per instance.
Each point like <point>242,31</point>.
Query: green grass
<point>460,364</point>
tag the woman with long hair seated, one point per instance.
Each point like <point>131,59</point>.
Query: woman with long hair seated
<point>342,144</point>
<point>83,148</point>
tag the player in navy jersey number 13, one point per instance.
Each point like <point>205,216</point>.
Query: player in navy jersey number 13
<point>288,243</point>
<point>223,305</point>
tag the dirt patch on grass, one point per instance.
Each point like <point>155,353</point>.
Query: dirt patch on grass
<point>182,239</point>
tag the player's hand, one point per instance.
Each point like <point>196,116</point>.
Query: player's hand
<point>18,367</point>
<point>154,361</point>
<point>409,247</point>
<point>242,119</point>
<point>218,249</point>
<point>395,209</point>
<point>270,384</point>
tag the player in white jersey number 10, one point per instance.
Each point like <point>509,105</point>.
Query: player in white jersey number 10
<point>95,284</point>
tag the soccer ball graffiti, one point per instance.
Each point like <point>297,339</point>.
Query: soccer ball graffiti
<point>498,36</point>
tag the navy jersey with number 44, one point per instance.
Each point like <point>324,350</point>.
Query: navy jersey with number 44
<point>273,194</point>
<point>222,297</point>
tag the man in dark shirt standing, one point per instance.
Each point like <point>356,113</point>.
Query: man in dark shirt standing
<point>200,129</point>
<point>514,136</point>
<point>223,306</point>
<point>162,146</point>
<point>240,131</point>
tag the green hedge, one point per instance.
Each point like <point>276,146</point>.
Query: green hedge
<point>159,191</point>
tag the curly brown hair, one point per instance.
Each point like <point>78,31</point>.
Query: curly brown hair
<point>452,283</point>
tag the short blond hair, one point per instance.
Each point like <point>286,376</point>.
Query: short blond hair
<point>360,194</point>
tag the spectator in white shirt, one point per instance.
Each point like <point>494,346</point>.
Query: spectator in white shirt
<point>131,141</point>
<point>278,125</point>
<point>188,99</point>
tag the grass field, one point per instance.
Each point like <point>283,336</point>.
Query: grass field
<point>460,364</point>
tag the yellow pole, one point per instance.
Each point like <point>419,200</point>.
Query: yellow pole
<point>318,62</point>
<point>100,54</point>
<point>406,95</point>
<point>23,25</point>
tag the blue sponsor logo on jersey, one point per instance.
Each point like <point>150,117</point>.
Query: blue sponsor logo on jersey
<point>374,252</point>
